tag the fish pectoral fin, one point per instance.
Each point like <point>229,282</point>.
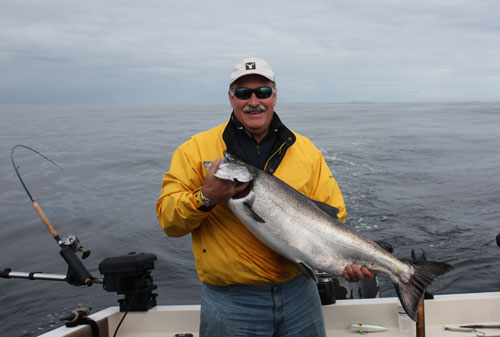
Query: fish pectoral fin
<point>308,271</point>
<point>252,213</point>
<point>328,209</point>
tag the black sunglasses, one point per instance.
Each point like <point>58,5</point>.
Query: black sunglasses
<point>246,93</point>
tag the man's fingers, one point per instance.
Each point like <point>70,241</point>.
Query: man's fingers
<point>348,273</point>
<point>345,275</point>
<point>353,273</point>
<point>357,271</point>
<point>214,166</point>
<point>367,272</point>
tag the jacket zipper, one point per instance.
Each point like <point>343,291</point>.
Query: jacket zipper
<point>271,156</point>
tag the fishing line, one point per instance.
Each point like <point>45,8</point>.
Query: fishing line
<point>42,215</point>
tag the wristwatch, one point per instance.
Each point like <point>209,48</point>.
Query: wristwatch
<point>206,201</point>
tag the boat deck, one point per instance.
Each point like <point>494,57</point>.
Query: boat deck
<point>443,310</point>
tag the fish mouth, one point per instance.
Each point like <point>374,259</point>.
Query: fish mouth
<point>243,193</point>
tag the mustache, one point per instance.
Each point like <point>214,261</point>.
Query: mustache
<point>254,109</point>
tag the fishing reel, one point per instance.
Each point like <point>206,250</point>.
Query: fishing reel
<point>73,242</point>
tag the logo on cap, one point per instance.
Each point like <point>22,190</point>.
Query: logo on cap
<point>250,65</point>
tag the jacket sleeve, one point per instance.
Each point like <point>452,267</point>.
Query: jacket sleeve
<point>177,207</point>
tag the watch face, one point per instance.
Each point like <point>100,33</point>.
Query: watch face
<point>205,200</point>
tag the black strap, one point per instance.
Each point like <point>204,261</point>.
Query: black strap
<point>80,317</point>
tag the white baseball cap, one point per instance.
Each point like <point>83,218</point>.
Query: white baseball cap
<point>251,66</point>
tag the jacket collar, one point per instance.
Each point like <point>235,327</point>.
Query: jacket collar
<point>285,139</point>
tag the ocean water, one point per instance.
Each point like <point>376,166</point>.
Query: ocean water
<point>419,176</point>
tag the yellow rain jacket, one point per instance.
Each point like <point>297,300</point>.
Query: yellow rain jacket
<point>225,252</point>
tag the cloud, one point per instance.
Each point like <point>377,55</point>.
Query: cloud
<point>115,51</point>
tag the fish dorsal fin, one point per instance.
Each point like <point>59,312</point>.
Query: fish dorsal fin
<point>308,271</point>
<point>252,213</point>
<point>330,210</point>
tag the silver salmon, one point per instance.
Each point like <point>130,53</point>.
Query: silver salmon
<point>309,233</point>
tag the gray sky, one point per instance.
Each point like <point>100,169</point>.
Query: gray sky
<point>135,52</point>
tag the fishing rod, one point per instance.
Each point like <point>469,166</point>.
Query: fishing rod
<point>128,275</point>
<point>77,272</point>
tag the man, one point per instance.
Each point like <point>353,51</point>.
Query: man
<point>248,289</point>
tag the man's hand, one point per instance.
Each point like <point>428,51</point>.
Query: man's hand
<point>220,190</point>
<point>353,273</point>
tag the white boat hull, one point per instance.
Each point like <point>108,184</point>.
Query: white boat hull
<point>443,310</point>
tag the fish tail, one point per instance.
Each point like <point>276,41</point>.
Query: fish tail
<point>411,291</point>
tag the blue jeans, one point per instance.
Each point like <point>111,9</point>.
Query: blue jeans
<point>289,309</point>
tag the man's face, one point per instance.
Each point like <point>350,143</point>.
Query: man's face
<point>247,111</point>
